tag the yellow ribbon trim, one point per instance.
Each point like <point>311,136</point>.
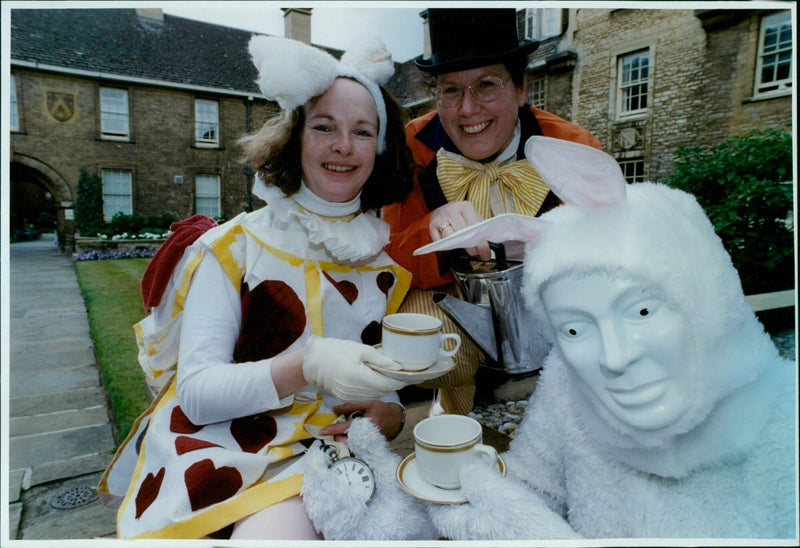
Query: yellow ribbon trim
<point>253,498</point>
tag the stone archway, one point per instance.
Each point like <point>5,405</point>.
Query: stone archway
<point>39,195</point>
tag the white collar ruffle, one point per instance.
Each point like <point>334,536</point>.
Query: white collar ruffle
<point>313,203</point>
<point>347,238</point>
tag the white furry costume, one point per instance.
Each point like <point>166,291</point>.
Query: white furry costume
<point>726,469</point>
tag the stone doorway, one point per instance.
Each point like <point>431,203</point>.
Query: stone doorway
<point>40,200</point>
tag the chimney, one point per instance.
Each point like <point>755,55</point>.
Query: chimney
<point>297,24</point>
<point>150,13</point>
<point>426,35</point>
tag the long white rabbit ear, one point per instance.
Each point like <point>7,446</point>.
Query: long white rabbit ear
<point>507,227</point>
<point>291,72</point>
<point>578,174</point>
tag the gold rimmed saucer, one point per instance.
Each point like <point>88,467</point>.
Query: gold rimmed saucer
<point>410,480</point>
<point>439,368</point>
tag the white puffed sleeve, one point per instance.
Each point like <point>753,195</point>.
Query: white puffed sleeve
<point>211,387</point>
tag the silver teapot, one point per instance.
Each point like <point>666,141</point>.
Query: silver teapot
<point>491,311</point>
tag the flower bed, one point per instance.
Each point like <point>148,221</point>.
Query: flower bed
<point>117,247</point>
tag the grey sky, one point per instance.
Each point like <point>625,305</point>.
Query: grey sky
<point>333,24</point>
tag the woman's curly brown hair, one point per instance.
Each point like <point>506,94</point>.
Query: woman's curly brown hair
<point>274,153</point>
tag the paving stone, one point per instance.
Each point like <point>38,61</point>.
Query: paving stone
<point>58,420</point>
<point>50,381</point>
<point>39,449</point>
<point>20,346</point>
<point>67,359</point>
<point>38,404</point>
<point>76,466</point>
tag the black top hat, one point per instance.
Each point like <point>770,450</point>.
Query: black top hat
<point>462,39</point>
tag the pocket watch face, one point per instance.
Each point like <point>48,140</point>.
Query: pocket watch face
<point>357,474</point>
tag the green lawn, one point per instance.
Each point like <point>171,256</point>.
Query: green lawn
<point>113,298</point>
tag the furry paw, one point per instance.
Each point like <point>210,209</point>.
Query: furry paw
<point>499,508</point>
<point>338,512</point>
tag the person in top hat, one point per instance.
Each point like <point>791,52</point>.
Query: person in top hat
<point>469,148</point>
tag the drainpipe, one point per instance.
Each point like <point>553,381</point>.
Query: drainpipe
<point>248,206</point>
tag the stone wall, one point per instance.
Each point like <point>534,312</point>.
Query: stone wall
<point>701,81</point>
<point>161,143</point>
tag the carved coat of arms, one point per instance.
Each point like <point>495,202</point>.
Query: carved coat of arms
<point>61,106</point>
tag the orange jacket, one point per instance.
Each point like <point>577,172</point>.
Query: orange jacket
<point>409,220</point>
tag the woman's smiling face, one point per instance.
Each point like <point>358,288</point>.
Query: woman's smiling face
<point>339,141</point>
<point>481,130</point>
<point>630,348</point>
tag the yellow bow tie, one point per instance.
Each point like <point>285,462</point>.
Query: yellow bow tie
<point>462,178</point>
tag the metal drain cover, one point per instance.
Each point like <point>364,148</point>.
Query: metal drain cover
<point>73,497</point>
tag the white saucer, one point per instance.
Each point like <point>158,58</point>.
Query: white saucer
<point>442,366</point>
<point>411,482</point>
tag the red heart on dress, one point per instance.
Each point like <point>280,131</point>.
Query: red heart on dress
<point>206,484</point>
<point>273,317</point>
<point>385,282</point>
<point>148,491</point>
<point>348,289</point>
<point>184,444</point>
<point>254,432</point>
<point>180,423</point>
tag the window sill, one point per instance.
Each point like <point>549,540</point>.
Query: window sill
<point>115,139</point>
<point>768,96</point>
<point>212,146</point>
<point>639,116</point>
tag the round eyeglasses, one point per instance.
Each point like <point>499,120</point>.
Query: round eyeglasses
<point>485,90</point>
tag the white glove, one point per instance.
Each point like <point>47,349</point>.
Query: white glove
<point>336,365</point>
<point>336,508</point>
<point>499,508</point>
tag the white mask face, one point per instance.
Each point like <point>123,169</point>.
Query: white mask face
<point>633,351</point>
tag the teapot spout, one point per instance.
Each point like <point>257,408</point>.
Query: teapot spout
<point>476,321</point>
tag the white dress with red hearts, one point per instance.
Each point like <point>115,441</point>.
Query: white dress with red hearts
<point>219,443</point>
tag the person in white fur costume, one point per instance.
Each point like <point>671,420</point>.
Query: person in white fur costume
<point>663,409</point>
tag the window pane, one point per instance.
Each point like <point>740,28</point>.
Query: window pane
<point>116,193</point>
<point>14,114</point>
<point>114,111</point>
<point>536,93</point>
<point>633,170</point>
<point>541,23</point>
<point>775,53</point>
<point>634,73</point>
<point>207,195</point>
<point>206,114</point>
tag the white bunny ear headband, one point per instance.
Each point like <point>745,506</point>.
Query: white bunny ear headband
<point>579,175</point>
<point>291,72</point>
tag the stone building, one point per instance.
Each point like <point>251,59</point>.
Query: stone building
<point>647,81</point>
<point>154,104</point>
<point>151,103</point>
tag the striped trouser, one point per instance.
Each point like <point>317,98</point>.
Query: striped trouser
<point>456,388</point>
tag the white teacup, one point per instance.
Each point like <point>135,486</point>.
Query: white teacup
<point>444,444</point>
<point>416,341</point>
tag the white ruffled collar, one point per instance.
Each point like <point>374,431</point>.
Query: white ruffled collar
<point>333,226</point>
<point>313,203</point>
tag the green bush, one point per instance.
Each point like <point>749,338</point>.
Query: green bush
<point>89,204</point>
<point>745,186</point>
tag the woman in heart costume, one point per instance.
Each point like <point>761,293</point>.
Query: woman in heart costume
<point>270,316</point>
